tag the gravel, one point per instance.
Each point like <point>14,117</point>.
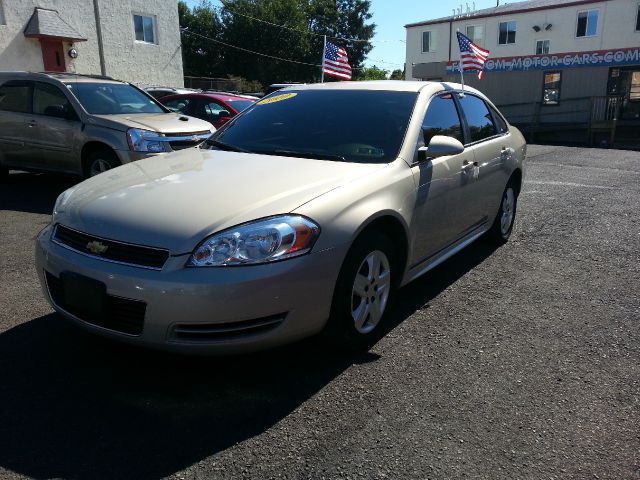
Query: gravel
<point>509,363</point>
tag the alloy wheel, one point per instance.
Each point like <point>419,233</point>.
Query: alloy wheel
<point>370,292</point>
<point>508,207</point>
<point>98,166</point>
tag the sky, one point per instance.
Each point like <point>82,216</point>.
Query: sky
<point>390,17</point>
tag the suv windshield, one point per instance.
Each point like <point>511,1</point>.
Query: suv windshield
<point>112,98</point>
<point>352,125</point>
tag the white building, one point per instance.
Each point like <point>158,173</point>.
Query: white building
<point>132,40</point>
<point>557,61</point>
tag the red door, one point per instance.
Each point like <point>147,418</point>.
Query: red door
<point>52,56</point>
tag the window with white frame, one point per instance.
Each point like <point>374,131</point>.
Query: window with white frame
<point>507,33</point>
<point>427,42</point>
<point>587,23</point>
<point>475,33</point>
<point>542,47</point>
<point>144,26</point>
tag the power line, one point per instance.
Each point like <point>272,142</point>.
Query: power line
<point>188,32</point>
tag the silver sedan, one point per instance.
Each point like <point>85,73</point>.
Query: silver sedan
<point>304,214</point>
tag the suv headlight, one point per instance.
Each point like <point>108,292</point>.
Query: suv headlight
<point>145,141</point>
<point>260,241</point>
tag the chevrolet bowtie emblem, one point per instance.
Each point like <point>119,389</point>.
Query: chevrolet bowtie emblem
<point>97,247</point>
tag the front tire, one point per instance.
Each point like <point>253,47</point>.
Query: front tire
<point>503,224</point>
<point>362,293</point>
<point>100,161</point>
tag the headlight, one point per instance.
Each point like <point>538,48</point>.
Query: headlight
<point>145,141</point>
<point>61,201</point>
<point>261,241</point>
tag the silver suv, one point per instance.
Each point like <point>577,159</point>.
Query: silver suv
<point>85,124</point>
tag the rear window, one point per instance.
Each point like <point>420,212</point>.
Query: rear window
<point>15,96</point>
<point>112,98</point>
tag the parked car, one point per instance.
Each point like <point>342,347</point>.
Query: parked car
<point>160,92</point>
<point>85,124</point>
<point>217,108</point>
<point>301,217</point>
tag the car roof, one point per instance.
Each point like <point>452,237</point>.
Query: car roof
<point>225,97</point>
<point>389,85</point>
<point>64,77</point>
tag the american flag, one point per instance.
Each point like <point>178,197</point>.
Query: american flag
<point>472,57</point>
<point>335,62</point>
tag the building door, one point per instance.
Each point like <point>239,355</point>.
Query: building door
<point>52,56</point>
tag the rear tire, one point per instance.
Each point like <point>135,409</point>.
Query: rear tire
<point>100,161</point>
<point>362,293</point>
<point>503,224</point>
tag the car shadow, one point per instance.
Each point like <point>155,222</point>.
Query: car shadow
<point>33,192</point>
<point>73,405</point>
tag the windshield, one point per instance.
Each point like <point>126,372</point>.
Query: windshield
<point>112,98</point>
<point>352,125</point>
<point>240,105</point>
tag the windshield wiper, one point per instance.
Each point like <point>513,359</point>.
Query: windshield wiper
<point>293,153</point>
<point>226,146</point>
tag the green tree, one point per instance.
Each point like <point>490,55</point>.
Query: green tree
<point>372,73</point>
<point>201,57</point>
<point>397,75</point>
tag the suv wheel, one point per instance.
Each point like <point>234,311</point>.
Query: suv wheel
<point>100,161</point>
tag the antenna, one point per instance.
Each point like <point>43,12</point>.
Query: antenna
<point>468,10</point>
<point>454,12</point>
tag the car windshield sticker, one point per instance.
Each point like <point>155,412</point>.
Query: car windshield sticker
<point>277,98</point>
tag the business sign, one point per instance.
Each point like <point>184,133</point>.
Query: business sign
<point>596,58</point>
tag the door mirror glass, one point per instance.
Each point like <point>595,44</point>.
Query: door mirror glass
<point>440,146</point>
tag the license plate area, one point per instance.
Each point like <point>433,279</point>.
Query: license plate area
<point>84,296</point>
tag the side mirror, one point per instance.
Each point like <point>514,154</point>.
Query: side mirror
<point>440,146</point>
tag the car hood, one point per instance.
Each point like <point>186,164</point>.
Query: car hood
<point>176,200</point>
<point>158,122</point>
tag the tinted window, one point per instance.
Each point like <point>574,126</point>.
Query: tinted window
<point>16,97</point>
<point>442,119</point>
<point>112,98</point>
<point>49,100</point>
<point>478,118</point>
<point>240,105</point>
<point>358,125</point>
<point>500,123</point>
<point>178,104</point>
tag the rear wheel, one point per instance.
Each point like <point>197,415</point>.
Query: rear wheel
<point>503,224</point>
<point>362,293</point>
<point>100,161</point>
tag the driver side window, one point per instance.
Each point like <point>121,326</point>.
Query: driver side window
<point>442,119</point>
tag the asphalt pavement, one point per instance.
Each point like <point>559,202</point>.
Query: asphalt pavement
<point>521,362</point>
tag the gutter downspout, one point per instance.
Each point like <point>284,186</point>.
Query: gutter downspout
<point>450,32</point>
<point>96,13</point>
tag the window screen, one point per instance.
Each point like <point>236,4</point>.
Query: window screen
<point>143,27</point>
<point>16,97</point>
<point>507,33</point>
<point>478,118</point>
<point>442,119</point>
<point>587,23</point>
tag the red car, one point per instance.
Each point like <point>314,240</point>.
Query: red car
<point>216,108</point>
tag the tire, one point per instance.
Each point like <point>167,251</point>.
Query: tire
<point>362,293</point>
<point>100,161</point>
<point>502,226</point>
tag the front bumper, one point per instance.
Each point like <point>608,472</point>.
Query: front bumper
<point>293,297</point>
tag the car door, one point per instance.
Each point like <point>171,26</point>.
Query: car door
<point>15,130</point>
<point>487,143</point>
<point>56,128</point>
<point>436,223</point>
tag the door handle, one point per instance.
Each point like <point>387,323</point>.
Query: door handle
<point>466,165</point>
<point>31,123</point>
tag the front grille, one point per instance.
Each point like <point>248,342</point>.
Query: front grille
<point>207,332</point>
<point>182,144</point>
<point>122,315</point>
<point>115,251</point>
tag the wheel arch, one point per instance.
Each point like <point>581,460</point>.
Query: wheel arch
<point>94,146</point>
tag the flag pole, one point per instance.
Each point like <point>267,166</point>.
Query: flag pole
<point>460,67</point>
<point>324,50</point>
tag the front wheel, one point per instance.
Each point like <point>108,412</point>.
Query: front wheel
<point>362,293</point>
<point>503,224</point>
<point>100,161</point>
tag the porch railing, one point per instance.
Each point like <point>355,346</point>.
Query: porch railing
<point>606,109</point>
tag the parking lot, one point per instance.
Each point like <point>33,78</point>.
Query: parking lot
<point>516,362</point>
